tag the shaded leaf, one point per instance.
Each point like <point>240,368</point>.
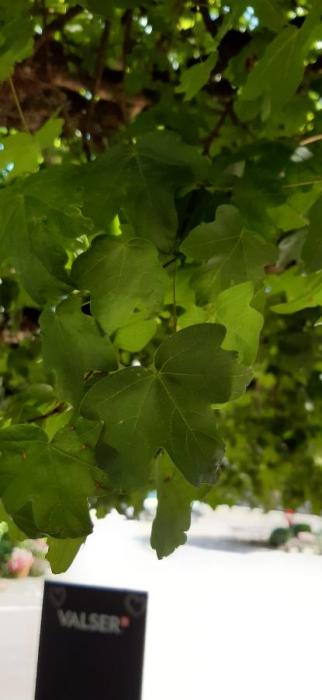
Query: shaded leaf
<point>167,406</point>
<point>37,215</point>
<point>279,72</point>
<point>72,345</point>
<point>270,12</point>
<point>235,254</point>
<point>16,32</point>
<point>143,178</point>
<point>125,279</point>
<point>48,482</point>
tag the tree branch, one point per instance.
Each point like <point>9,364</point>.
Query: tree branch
<point>56,25</point>
<point>216,130</point>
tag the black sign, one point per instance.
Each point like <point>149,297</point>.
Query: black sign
<point>91,643</point>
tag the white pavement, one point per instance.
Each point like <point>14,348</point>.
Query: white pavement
<point>225,622</point>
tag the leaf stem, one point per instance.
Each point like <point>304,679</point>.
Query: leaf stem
<point>311,139</point>
<point>18,105</point>
<point>174,303</point>
<point>306,183</point>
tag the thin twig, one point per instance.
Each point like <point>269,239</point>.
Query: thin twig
<point>216,130</point>
<point>18,105</point>
<point>100,63</point>
<point>56,25</point>
<point>174,298</point>
<point>306,183</point>
<point>311,139</point>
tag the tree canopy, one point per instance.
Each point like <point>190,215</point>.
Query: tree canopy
<point>160,261</point>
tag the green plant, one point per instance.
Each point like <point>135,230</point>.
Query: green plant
<point>160,206</point>
<point>280,536</point>
<point>301,527</point>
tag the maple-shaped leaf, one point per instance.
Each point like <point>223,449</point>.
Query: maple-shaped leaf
<point>143,178</point>
<point>167,407</point>
<point>234,253</point>
<point>45,486</point>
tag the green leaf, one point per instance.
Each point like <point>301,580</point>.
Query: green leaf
<point>125,279</point>
<point>49,132</point>
<point>52,481</point>
<point>312,249</point>
<point>235,254</point>
<point>135,336</point>
<point>14,532</point>
<point>16,32</point>
<point>270,12</point>
<point>243,323</point>
<point>37,214</point>
<point>39,260</point>
<point>73,344</point>
<point>293,214</point>
<point>143,178</point>
<point>302,292</point>
<point>167,407</point>
<point>193,79</point>
<point>61,553</point>
<point>173,514</point>
<point>279,72</point>
<point>19,154</point>
<point>22,151</point>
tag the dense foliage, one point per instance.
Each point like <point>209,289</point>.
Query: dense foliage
<point>160,252</point>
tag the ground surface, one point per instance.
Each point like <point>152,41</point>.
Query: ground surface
<point>227,621</point>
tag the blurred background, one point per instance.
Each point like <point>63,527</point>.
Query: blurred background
<point>228,616</point>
